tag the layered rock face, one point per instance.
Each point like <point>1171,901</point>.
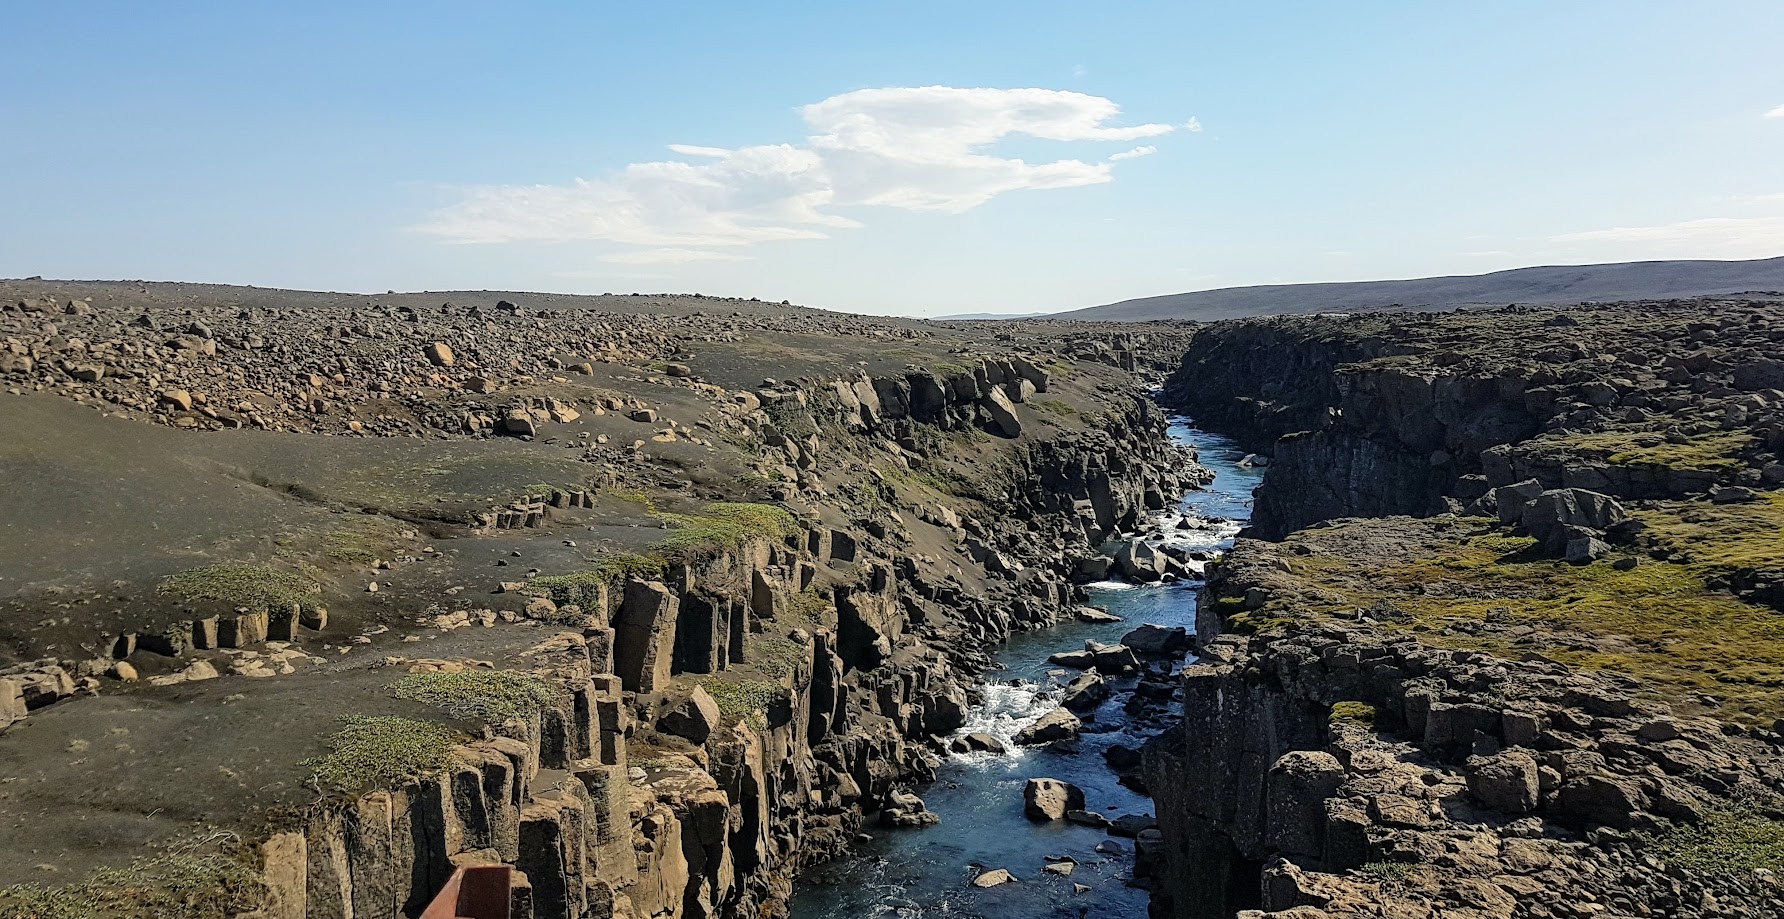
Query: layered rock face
<point>1544,693</point>
<point>1371,415</point>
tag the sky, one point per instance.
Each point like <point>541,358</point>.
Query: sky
<point>909,158</point>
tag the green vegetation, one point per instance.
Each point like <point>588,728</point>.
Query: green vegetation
<point>379,751</point>
<point>746,700</point>
<point>724,526</point>
<point>1054,407</point>
<point>540,490</point>
<point>1703,452</point>
<point>790,418</point>
<point>808,605</point>
<point>1730,843</point>
<point>1657,621</point>
<point>1716,538</point>
<point>1354,711</point>
<point>255,586</point>
<point>1386,873</point>
<point>776,656</point>
<point>200,880</point>
<point>583,588</point>
<point>484,695</point>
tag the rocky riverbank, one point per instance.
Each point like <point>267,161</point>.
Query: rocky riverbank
<point>728,632</point>
<point>1551,690</point>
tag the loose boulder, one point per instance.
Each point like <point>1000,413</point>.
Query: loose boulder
<point>1058,724</point>
<point>1050,799</point>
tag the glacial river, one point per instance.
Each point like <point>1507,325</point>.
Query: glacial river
<point>906,874</point>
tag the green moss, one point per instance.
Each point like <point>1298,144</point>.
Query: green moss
<point>1054,407</point>
<point>1717,538</point>
<point>379,751</point>
<point>744,700</point>
<point>808,606</point>
<point>584,588</point>
<point>484,695</point>
<point>1386,873</point>
<point>776,656</point>
<point>202,880</point>
<point>1251,623</point>
<point>1727,843</point>
<point>724,526</point>
<point>255,586</point>
<point>1704,452</point>
<point>1354,711</point>
<point>1657,621</point>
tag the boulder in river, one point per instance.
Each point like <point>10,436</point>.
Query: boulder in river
<point>993,878</point>
<point>977,742</point>
<point>1050,799</point>
<point>1156,640</point>
<point>1058,724</point>
<point>1086,692</point>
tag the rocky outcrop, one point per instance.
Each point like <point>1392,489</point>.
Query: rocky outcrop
<point>1307,761</point>
<point>1373,415</point>
<point>678,777</point>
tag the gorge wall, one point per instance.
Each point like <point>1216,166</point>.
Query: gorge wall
<point>1405,704</point>
<point>678,775</point>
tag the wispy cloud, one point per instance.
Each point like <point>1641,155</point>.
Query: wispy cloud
<point>1193,125</point>
<point>910,148</point>
<point>671,257</point>
<point>1134,154</point>
<point>1709,237</point>
<point>1776,113</point>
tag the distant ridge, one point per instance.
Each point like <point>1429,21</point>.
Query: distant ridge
<point>975,316</point>
<point>1547,284</point>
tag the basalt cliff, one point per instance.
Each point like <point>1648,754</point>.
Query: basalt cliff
<point>656,600</point>
<point>1504,638</point>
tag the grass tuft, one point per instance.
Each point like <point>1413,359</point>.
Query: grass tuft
<point>724,526</point>
<point>583,588</point>
<point>194,881</point>
<point>380,751</point>
<point>484,695</point>
<point>1353,711</point>
<point>1727,843</point>
<point>744,700</point>
<point>255,586</point>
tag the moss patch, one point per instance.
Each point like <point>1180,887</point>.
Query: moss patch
<point>483,695</point>
<point>379,751</point>
<point>1728,843</point>
<point>583,588</point>
<point>1715,538</point>
<point>1657,621</point>
<point>1354,711</point>
<point>744,700</point>
<point>1713,452</point>
<point>195,881</point>
<point>724,526</point>
<point>255,586</point>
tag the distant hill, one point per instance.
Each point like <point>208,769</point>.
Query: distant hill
<point>976,316</point>
<point>1548,284</point>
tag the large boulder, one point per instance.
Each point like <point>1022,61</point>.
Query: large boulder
<point>1050,799</point>
<point>1086,692</point>
<point>1138,561</point>
<point>692,717</point>
<point>1506,782</point>
<point>1058,724</point>
<point>1551,515</point>
<point>1002,413</point>
<point>1157,641</point>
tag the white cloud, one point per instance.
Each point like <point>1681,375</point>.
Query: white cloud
<point>1079,70</point>
<point>912,148</point>
<point>1193,125</point>
<point>671,257</point>
<point>1134,154</point>
<point>1709,237</point>
<point>1776,113</point>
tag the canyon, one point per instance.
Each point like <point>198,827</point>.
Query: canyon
<point>668,602</point>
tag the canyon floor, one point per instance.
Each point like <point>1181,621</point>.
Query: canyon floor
<point>308,600</point>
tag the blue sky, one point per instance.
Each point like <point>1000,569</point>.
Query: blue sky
<point>914,157</point>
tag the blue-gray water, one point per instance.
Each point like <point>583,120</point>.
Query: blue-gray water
<point>904,874</point>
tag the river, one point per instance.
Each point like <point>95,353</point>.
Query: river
<point>905,874</point>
